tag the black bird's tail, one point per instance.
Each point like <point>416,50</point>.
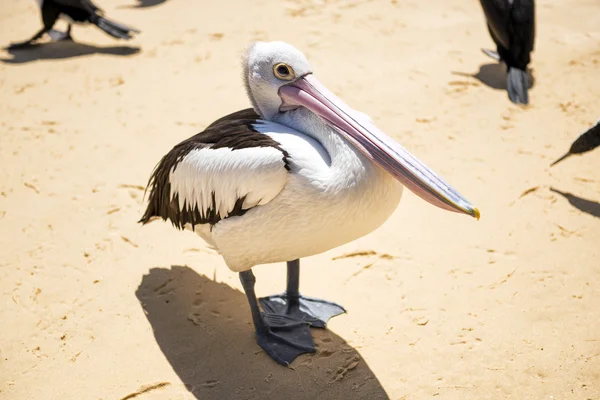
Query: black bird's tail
<point>114,29</point>
<point>517,86</point>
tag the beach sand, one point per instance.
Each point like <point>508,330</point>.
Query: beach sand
<point>95,306</point>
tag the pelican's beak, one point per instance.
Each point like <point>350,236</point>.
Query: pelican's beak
<point>308,92</point>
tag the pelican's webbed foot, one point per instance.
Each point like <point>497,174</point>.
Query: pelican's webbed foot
<point>284,338</point>
<point>300,308</point>
<point>316,312</point>
<point>281,337</point>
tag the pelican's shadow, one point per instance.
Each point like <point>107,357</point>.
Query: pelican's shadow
<point>64,49</point>
<point>587,206</point>
<point>494,75</point>
<point>205,331</point>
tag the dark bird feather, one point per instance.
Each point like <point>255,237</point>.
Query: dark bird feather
<point>234,131</point>
<point>82,11</point>
<point>587,141</point>
<point>511,24</point>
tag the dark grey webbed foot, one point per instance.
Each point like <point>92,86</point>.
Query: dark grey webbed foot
<point>284,338</point>
<point>297,307</point>
<point>59,36</point>
<point>316,312</point>
<point>281,337</point>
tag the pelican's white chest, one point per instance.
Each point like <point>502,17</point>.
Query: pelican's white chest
<point>325,203</point>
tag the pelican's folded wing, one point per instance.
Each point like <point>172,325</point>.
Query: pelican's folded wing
<point>222,172</point>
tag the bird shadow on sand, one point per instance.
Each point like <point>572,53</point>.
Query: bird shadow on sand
<point>62,50</point>
<point>205,331</point>
<point>494,75</point>
<point>587,206</point>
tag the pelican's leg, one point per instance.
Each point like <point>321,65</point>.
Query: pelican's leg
<point>281,337</point>
<point>293,305</point>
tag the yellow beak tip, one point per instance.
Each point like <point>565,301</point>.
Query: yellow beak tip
<point>476,213</point>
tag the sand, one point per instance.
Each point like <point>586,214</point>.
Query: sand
<point>95,306</point>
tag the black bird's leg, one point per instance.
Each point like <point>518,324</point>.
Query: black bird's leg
<point>27,43</point>
<point>281,337</point>
<point>292,304</point>
<point>60,36</point>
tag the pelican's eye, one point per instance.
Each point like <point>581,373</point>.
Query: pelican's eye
<point>284,72</point>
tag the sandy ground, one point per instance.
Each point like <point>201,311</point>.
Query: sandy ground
<point>95,306</point>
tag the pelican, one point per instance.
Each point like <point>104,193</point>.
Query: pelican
<point>297,174</point>
<point>80,11</point>
<point>511,24</point>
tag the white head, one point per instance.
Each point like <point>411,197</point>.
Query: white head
<point>267,67</point>
<point>279,79</point>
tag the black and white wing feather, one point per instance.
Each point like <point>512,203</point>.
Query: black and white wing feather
<point>219,173</point>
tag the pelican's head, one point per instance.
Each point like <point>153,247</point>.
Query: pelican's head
<point>279,78</point>
<point>267,67</point>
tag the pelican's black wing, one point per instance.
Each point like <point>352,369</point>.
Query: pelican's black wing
<point>219,173</point>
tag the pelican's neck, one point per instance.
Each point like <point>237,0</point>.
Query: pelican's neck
<point>345,158</point>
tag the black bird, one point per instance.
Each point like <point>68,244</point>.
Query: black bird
<point>79,11</point>
<point>587,141</point>
<point>512,26</point>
